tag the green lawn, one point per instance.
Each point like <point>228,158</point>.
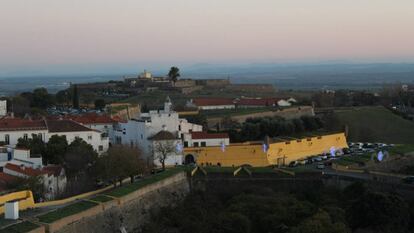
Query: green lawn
<point>66,211</point>
<point>235,112</point>
<point>376,124</point>
<point>20,228</point>
<point>129,188</point>
<point>402,149</point>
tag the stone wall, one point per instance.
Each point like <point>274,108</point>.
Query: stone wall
<point>130,211</point>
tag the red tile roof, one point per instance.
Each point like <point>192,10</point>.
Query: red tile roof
<point>257,102</point>
<point>212,101</point>
<point>56,126</point>
<point>92,118</point>
<point>28,171</point>
<point>163,135</point>
<point>6,178</point>
<point>16,124</point>
<point>205,135</point>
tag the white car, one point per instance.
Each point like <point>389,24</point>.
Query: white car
<point>320,166</point>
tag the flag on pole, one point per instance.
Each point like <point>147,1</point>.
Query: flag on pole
<point>380,156</point>
<point>265,147</point>
<point>179,147</point>
<point>333,151</point>
<point>223,147</point>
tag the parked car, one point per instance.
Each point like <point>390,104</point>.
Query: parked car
<point>293,164</point>
<point>320,166</point>
<point>408,180</point>
<point>303,162</point>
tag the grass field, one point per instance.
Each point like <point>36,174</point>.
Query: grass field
<point>101,198</point>
<point>66,211</point>
<point>376,124</point>
<point>20,228</point>
<point>129,188</point>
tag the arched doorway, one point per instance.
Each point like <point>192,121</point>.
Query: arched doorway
<point>189,159</point>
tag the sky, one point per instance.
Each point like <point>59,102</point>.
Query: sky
<point>121,35</point>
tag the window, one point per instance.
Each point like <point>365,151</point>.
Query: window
<point>40,136</point>
<point>179,127</point>
<point>185,144</point>
<point>195,144</point>
<point>203,144</point>
<point>25,136</point>
<point>142,136</point>
<point>90,137</point>
<point>100,148</point>
<point>7,139</point>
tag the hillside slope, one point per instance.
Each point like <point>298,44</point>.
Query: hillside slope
<point>376,124</point>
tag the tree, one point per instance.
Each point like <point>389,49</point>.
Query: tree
<point>321,222</point>
<point>173,74</point>
<point>100,104</point>
<point>56,149</point>
<point>75,97</point>
<point>162,149</point>
<point>34,144</point>
<point>41,98</point>
<point>79,157</point>
<point>379,212</point>
<point>120,162</point>
<point>33,183</point>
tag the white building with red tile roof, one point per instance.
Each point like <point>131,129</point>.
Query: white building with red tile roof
<point>3,108</point>
<point>13,129</point>
<point>204,139</point>
<point>53,177</point>
<point>212,103</point>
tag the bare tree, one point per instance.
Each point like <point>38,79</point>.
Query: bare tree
<point>162,149</point>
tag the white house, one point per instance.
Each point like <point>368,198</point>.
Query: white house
<point>204,139</point>
<point>13,129</point>
<point>53,177</point>
<point>139,131</point>
<point>102,123</point>
<point>284,103</point>
<point>19,156</point>
<point>212,103</point>
<point>166,145</point>
<point>3,108</point>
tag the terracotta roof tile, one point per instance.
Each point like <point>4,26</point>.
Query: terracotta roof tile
<point>17,124</point>
<point>205,135</point>
<point>56,126</point>
<point>163,135</point>
<point>213,101</point>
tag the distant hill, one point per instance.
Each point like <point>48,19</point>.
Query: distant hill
<point>376,124</point>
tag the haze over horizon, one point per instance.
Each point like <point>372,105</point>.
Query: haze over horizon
<point>46,37</point>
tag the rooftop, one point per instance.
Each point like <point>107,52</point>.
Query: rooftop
<point>212,101</point>
<point>56,126</point>
<point>205,135</point>
<point>28,171</point>
<point>16,124</point>
<point>163,135</point>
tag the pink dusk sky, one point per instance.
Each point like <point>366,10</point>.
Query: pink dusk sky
<point>42,33</point>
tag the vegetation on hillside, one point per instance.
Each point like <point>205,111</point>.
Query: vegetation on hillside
<point>255,209</point>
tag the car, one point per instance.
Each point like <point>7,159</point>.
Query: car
<point>320,166</point>
<point>303,162</point>
<point>318,159</point>
<point>293,164</point>
<point>408,180</point>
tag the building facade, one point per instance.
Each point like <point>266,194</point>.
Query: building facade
<point>13,129</point>
<point>260,154</point>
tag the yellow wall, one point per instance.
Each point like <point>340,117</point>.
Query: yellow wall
<point>26,201</point>
<point>234,155</point>
<point>252,154</point>
<point>302,148</point>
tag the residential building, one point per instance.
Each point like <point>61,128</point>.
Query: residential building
<point>212,103</point>
<point>19,156</point>
<point>204,139</point>
<point>13,129</point>
<point>139,131</point>
<point>3,108</point>
<point>256,102</point>
<point>166,145</point>
<point>53,177</point>
<point>284,103</point>
<point>103,123</point>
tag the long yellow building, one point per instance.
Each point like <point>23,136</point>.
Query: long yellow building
<point>277,151</point>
